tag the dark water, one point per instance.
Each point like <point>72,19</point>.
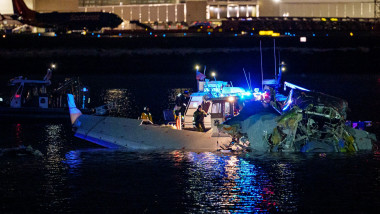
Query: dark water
<point>74,176</point>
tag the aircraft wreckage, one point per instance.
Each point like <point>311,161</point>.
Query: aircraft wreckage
<point>304,121</point>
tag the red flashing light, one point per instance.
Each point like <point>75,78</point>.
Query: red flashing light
<point>155,35</point>
<point>17,96</point>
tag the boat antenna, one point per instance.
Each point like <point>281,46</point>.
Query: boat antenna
<point>204,70</point>
<point>250,83</point>
<point>261,63</point>
<point>246,79</point>
<point>274,53</point>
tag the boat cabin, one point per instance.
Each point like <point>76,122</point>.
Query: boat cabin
<point>29,93</point>
<point>218,99</point>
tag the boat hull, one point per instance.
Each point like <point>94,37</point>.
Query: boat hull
<point>113,132</point>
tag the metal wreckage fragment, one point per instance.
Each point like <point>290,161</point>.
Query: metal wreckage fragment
<point>308,122</point>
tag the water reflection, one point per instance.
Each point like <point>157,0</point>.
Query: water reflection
<point>121,101</point>
<point>55,182</point>
<point>227,183</point>
<point>18,134</point>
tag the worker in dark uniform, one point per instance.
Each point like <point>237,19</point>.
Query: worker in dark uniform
<point>199,116</point>
<point>181,103</point>
<point>146,116</point>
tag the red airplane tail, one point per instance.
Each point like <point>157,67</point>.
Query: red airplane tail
<point>20,8</point>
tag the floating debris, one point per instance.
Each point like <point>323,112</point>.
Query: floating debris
<point>308,122</point>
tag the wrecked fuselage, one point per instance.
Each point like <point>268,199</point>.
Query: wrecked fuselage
<point>304,122</point>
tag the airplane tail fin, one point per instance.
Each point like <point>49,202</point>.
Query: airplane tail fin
<point>74,112</point>
<point>20,8</point>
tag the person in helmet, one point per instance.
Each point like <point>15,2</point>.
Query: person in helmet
<point>146,116</point>
<point>181,103</point>
<point>199,116</point>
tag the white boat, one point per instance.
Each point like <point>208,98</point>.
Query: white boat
<point>217,98</point>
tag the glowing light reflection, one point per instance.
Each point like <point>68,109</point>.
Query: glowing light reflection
<point>227,183</point>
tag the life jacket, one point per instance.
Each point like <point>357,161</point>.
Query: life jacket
<point>146,116</point>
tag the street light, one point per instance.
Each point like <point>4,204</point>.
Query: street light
<point>197,67</point>
<point>53,66</point>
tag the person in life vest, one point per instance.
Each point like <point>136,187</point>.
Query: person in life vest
<point>146,116</point>
<point>199,116</point>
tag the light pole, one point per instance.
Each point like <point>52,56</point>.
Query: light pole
<point>213,74</point>
<point>196,73</point>
<point>281,69</point>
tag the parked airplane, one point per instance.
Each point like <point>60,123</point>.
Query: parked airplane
<point>65,21</point>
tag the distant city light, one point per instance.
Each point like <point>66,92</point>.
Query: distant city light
<point>197,67</point>
<point>53,65</point>
<point>303,39</point>
<point>1,99</point>
<point>231,99</point>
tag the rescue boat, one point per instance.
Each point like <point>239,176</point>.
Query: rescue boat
<point>217,98</point>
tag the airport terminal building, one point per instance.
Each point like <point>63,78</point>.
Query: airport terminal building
<point>189,11</point>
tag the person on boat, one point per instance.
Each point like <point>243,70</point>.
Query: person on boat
<point>146,116</point>
<point>199,116</point>
<point>181,103</point>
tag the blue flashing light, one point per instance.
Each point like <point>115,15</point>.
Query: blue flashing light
<point>313,34</point>
<point>294,34</point>
<point>251,34</point>
<point>185,34</point>
<point>209,33</point>
<point>98,35</point>
<point>327,34</point>
<point>84,89</point>
<point>164,35</point>
<point>150,33</point>
<point>119,34</point>
<point>92,34</point>
<point>55,34</point>
<point>39,34</point>
<point>235,34</point>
